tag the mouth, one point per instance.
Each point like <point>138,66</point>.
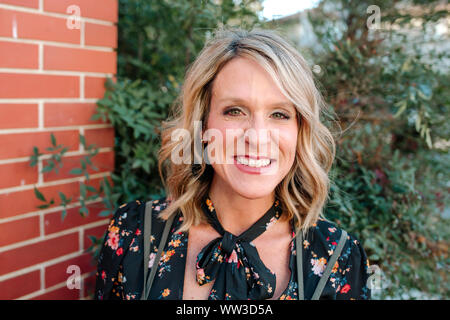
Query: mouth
<point>254,165</point>
<point>253,162</point>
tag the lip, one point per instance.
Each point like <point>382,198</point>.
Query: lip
<point>253,170</point>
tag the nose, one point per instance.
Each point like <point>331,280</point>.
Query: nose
<point>258,135</point>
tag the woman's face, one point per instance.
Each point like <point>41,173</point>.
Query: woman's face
<point>252,122</point>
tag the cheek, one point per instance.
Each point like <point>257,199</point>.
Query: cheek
<point>229,133</point>
<point>288,144</point>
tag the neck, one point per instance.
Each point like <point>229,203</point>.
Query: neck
<point>235,212</point>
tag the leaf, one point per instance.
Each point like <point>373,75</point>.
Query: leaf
<point>33,161</point>
<point>418,122</point>
<point>104,213</point>
<point>82,140</point>
<point>86,174</point>
<point>63,214</point>
<point>93,239</point>
<point>402,107</point>
<point>62,196</point>
<point>48,168</point>
<point>53,139</point>
<point>83,190</point>
<point>35,157</point>
<point>36,151</point>
<point>84,211</point>
<point>92,197</point>
<point>97,116</point>
<point>88,160</point>
<point>406,65</point>
<point>94,151</point>
<point>425,92</point>
<point>64,150</point>
<point>91,188</point>
<point>83,164</point>
<point>106,187</point>
<point>428,138</point>
<point>76,171</point>
<point>39,195</point>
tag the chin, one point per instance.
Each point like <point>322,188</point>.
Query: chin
<point>252,195</point>
<point>252,189</point>
<point>249,186</point>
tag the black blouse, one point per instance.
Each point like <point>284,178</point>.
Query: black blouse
<point>120,271</point>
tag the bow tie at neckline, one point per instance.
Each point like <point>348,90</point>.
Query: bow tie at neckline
<point>233,263</point>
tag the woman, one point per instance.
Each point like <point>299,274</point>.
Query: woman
<point>251,98</point>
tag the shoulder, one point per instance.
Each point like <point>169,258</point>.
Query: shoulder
<point>325,232</point>
<point>128,223</point>
<point>325,236</point>
<point>131,214</point>
<point>128,214</point>
<point>158,205</point>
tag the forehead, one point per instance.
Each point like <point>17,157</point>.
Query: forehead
<point>245,79</point>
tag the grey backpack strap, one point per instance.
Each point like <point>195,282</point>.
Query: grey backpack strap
<point>147,232</point>
<point>299,253</point>
<point>323,280</point>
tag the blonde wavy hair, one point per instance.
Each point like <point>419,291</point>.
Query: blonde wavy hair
<point>304,190</point>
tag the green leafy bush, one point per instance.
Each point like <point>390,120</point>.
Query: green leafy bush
<point>390,179</point>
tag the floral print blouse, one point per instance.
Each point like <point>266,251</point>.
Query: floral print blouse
<point>120,273</point>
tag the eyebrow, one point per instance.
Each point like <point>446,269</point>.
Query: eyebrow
<point>239,100</point>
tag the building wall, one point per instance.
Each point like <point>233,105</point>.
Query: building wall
<point>52,72</point>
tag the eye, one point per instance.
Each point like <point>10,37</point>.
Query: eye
<point>281,115</point>
<point>232,112</point>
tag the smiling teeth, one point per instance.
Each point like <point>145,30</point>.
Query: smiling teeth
<point>253,163</point>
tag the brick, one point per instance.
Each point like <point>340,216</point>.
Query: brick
<point>102,138</point>
<point>94,87</point>
<point>19,85</point>
<point>19,230</point>
<point>15,145</point>
<point>72,59</point>
<point>12,203</point>
<point>24,25</point>
<point>63,293</point>
<point>99,9</point>
<point>17,174</point>
<point>19,286</point>
<point>23,3</point>
<point>22,257</point>
<point>69,114</point>
<point>18,115</point>
<point>104,161</point>
<point>18,55</point>
<point>57,273</point>
<point>100,35</point>
<point>53,222</point>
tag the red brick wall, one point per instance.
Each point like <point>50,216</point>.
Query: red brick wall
<point>51,76</point>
